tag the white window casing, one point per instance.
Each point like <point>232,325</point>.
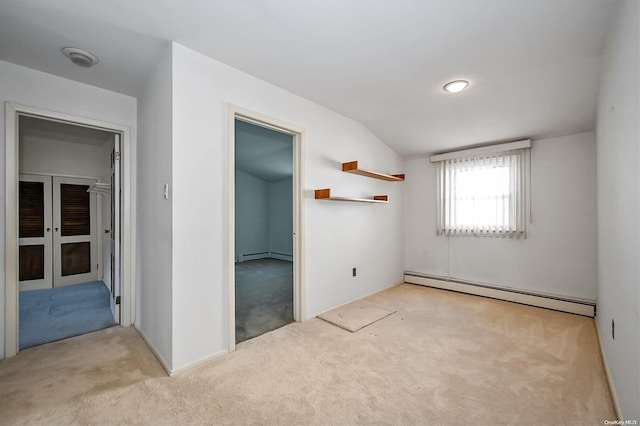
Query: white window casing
<point>484,191</point>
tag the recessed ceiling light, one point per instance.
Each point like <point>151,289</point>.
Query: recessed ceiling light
<point>80,57</point>
<point>455,86</point>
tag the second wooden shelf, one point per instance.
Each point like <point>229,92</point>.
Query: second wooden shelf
<point>325,194</point>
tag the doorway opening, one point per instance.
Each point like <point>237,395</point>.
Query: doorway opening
<point>266,253</point>
<point>68,230</point>
<point>81,252</point>
<point>264,229</point>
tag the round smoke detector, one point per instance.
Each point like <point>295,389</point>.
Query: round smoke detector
<point>80,57</point>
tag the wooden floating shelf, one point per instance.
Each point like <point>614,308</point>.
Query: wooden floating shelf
<point>325,194</point>
<point>352,167</point>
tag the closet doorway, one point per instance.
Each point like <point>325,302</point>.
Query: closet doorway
<point>62,255</point>
<point>266,256</point>
<point>68,230</point>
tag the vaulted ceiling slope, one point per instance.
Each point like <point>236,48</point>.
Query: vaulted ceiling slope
<point>533,65</point>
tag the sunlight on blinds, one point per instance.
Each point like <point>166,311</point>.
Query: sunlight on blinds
<point>483,196</point>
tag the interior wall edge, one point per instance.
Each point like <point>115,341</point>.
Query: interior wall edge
<point>153,267</point>
<point>202,361</point>
<point>152,348</point>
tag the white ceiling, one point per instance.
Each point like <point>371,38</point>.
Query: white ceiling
<point>533,64</point>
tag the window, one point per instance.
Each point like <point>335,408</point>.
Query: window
<point>482,192</point>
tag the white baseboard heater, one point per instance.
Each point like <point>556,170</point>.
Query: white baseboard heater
<point>281,256</point>
<point>254,256</point>
<point>541,300</point>
<point>265,255</point>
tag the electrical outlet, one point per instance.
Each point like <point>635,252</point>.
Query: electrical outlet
<point>354,272</point>
<point>613,329</point>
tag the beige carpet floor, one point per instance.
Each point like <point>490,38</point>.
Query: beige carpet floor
<point>442,358</point>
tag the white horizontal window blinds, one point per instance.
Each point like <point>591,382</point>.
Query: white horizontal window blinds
<point>484,194</point>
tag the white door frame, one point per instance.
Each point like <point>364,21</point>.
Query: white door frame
<point>115,221</point>
<point>298,134</point>
<point>12,112</point>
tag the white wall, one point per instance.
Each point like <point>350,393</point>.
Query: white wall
<point>618,141</point>
<point>558,255</point>
<point>281,217</point>
<point>339,235</point>
<point>252,215</point>
<point>264,216</point>
<point>154,312</point>
<point>42,155</point>
<point>37,89</point>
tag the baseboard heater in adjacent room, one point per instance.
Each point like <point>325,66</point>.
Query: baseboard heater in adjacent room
<point>254,256</point>
<point>265,255</point>
<point>541,300</point>
<point>282,256</point>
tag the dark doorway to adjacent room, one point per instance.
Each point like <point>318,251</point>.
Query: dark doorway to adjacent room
<point>263,230</point>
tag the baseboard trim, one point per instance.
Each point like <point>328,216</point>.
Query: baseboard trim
<point>165,366</point>
<point>155,352</point>
<point>540,300</point>
<point>607,372</point>
<point>200,362</point>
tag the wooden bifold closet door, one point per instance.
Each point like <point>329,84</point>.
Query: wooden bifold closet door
<point>34,232</point>
<point>57,232</point>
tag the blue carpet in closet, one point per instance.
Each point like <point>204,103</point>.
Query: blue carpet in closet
<point>57,313</point>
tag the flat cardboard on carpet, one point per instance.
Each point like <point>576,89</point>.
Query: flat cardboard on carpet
<point>356,315</point>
